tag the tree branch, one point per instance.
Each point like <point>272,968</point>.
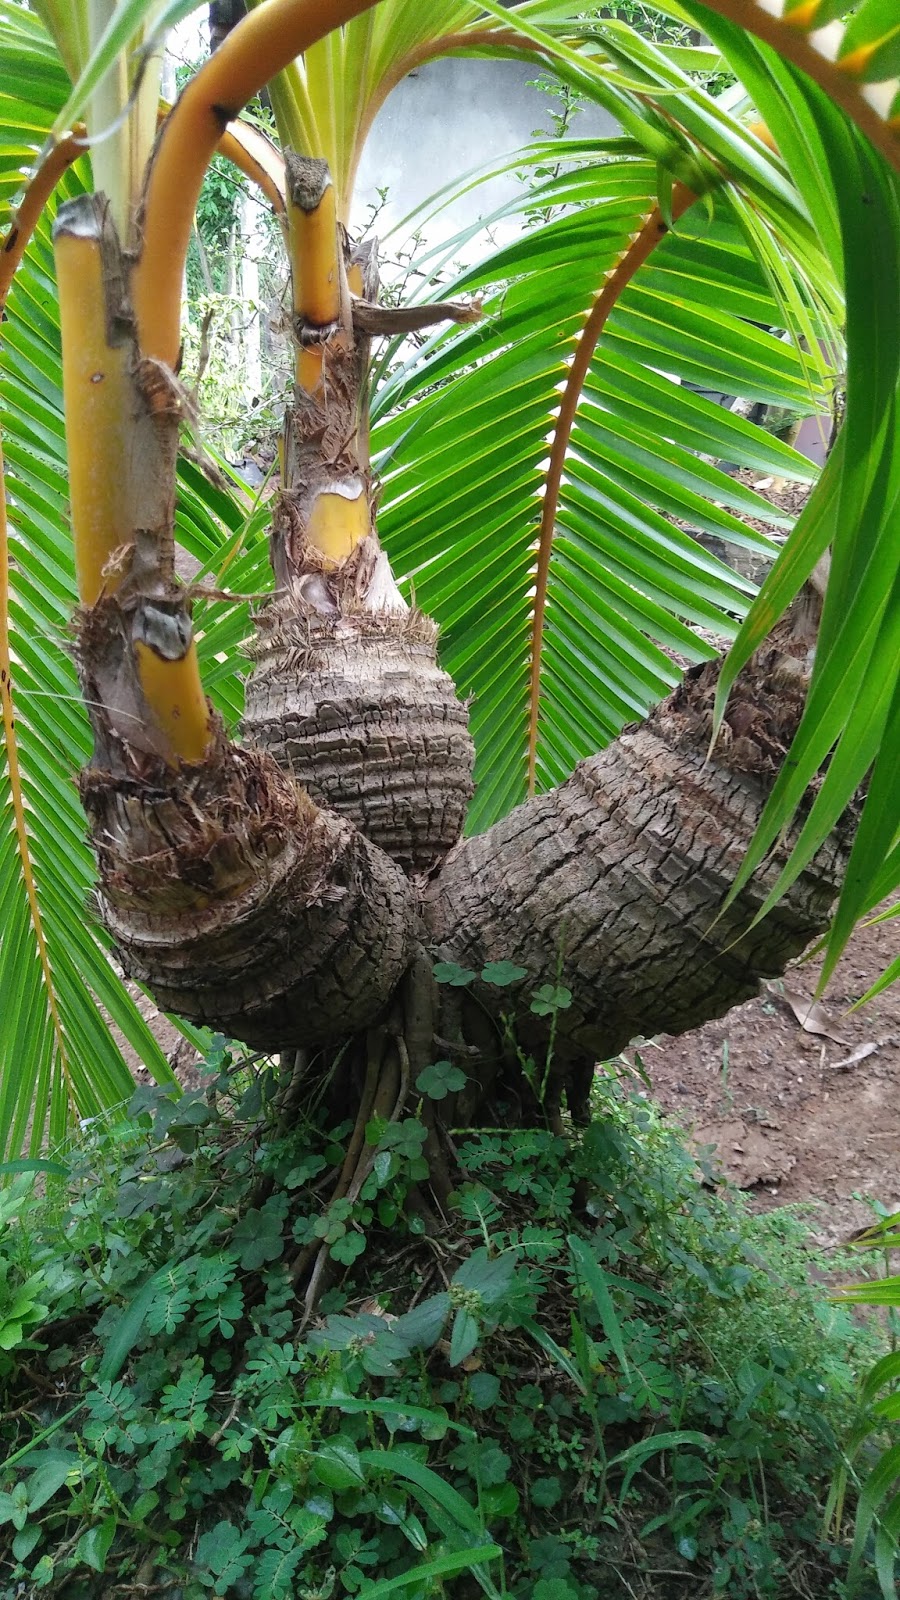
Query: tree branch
<point>379,320</point>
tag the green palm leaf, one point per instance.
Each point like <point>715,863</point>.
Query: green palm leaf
<point>464,461</point>
<point>66,1013</point>
<point>851,729</point>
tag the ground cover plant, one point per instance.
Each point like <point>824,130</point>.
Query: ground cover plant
<point>602,1378</point>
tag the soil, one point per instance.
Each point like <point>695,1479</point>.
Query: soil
<point>793,1115</point>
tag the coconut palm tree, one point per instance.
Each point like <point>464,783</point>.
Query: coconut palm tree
<point>295,889</point>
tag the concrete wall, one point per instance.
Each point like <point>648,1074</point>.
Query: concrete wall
<point>446,119</point>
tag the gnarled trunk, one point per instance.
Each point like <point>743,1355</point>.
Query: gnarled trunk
<point>279,893</point>
<point>359,711</point>
<point>613,884</point>
<point>240,904</point>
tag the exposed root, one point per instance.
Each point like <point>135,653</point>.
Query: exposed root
<point>396,1051</point>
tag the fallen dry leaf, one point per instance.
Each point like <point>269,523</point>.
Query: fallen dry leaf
<point>811,1014</point>
<point>859,1054</point>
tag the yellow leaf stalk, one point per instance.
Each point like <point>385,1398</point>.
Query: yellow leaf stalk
<point>338,518</point>
<point>96,394</point>
<point>116,448</point>
<point>315,246</point>
<point>260,46</point>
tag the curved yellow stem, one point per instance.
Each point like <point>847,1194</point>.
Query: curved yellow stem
<point>315,246</point>
<point>96,396</point>
<point>106,438</point>
<point>251,152</point>
<point>259,47</point>
<point>243,146</point>
<point>173,690</point>
<point>35,198</point>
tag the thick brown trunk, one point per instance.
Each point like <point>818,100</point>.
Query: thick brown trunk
<point>613,884</point>
<point>361,714</point>
<point>240,904</point>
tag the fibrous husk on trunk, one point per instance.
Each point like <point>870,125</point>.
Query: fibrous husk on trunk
<point>226,889</point>
<point>243,903</point>
<point>356,707</point>
<point>240,904</point>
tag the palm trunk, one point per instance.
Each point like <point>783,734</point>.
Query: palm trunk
<point>613,884</point>
<point>227,891</point>
<point>242,904</point>
<point>346,692</point>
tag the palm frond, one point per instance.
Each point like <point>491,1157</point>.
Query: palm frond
<point>66,1014</point>
<point>631,595</point>
<point>856,63</point>
<point>850,734</point>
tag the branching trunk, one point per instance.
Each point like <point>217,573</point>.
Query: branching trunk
<point>292,916</point>
<point>227,891</point>
<point>613,884</point>
<point>346,692</point>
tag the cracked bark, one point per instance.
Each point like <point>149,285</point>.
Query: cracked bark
<point>362,715</point>
<point>613,884</point>
<point>240,904</point>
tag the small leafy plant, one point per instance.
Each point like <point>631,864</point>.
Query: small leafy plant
<point>591,1370</point>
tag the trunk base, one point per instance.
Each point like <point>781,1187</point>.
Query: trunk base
<point>244,907</point>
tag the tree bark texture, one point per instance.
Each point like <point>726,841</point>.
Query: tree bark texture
<point>346,692</point>
<point>358,710</point>
<point>242,905</point>
<point>613,884</point>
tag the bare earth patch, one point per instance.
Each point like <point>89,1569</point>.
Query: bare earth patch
<point>793,1115</point>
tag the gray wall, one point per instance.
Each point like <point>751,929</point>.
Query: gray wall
<point>449,117</point>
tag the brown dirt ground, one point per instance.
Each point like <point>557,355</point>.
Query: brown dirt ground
<point>788,1121</point>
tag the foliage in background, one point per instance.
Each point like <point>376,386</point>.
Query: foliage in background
<point>509,1407</point>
